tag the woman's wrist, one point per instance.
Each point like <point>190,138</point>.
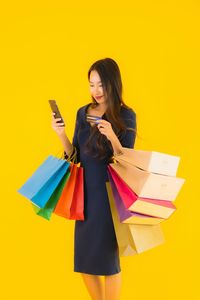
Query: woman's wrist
<point>117,147</point>
<point>67,145</point>
<point>62,135</point>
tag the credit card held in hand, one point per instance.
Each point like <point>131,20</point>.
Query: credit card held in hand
<point>92,118</point>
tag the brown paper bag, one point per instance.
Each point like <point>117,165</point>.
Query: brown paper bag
<point>151,161</point>
<point>148,185</point>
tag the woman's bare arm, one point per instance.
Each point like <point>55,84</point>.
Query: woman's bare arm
<point>67,145</point>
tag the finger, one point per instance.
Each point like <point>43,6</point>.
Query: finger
<point>55,119</point>
<point>60,125</point>
<point>102,126</point>
<point>104,133</point>
<point>102,130</point>
<point>57,124</point>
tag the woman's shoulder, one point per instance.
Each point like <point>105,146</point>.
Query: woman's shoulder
<point>127,112</point>
<point>129,116</point>
<point>82,109</point>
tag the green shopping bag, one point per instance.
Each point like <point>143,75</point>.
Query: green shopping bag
<point>48,209</point>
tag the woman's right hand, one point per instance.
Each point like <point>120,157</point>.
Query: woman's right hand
<point>57,127</point>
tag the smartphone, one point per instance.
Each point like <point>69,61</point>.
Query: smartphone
<point>55,109</point>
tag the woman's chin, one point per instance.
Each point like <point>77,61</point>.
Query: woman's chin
<point>101,100</point>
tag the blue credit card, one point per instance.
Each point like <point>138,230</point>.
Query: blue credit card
<point>92,118</point>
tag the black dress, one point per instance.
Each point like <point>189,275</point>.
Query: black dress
<point>95,245</point>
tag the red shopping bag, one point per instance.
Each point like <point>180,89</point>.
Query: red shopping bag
<point>77,207</point>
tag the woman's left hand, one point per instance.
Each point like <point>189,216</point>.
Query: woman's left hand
<point>105,128</point>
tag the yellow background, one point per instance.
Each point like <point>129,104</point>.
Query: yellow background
<point>46,49</point>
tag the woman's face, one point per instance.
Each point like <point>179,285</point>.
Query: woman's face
<point>96,88</point>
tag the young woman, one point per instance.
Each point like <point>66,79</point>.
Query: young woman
<point>95,246</point>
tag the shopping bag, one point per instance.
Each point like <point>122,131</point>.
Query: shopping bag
<point>151,161</point>
<point>127,216</point>
<point>77,207</point>
<point>43,182</point>
<point>47,210</point>
<point>71,202</point>
<point>133,239</point>
<point>134,203</point>
<point>148,185</point>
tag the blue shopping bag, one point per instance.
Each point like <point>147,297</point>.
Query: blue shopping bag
<point>41,185</point>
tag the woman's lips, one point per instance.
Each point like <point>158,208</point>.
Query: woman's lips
<point>98,97</point>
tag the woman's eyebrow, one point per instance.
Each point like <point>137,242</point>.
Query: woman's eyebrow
<point>93,82</point>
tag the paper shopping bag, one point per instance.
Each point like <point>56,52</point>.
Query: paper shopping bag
<point>43,182</point>
<point>148,185</point>
<point>77,207</point>
<point>134,203</point>
<point>71,202</point>
<point>127,216</point>
<point>47,210</point>
<point>133,239</point>
<point>151,161</point>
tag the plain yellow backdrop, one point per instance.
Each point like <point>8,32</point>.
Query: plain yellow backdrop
<point>46,49</point>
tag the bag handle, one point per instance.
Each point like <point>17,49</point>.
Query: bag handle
<point>115,155</point>
<point>72,157</point>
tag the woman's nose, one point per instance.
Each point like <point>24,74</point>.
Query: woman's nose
<point>96,90</point>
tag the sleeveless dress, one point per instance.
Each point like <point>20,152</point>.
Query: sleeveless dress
<point>95,246</point>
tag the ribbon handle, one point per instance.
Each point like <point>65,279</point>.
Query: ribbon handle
<point>72,157</point>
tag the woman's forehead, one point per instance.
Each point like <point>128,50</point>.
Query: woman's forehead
<point>94,77</point>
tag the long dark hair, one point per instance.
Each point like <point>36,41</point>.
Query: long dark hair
<point>110,75</point>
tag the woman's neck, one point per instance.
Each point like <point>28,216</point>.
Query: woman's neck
<point>102,106</point>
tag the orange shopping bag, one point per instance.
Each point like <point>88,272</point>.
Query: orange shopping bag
<point>71,202</point>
